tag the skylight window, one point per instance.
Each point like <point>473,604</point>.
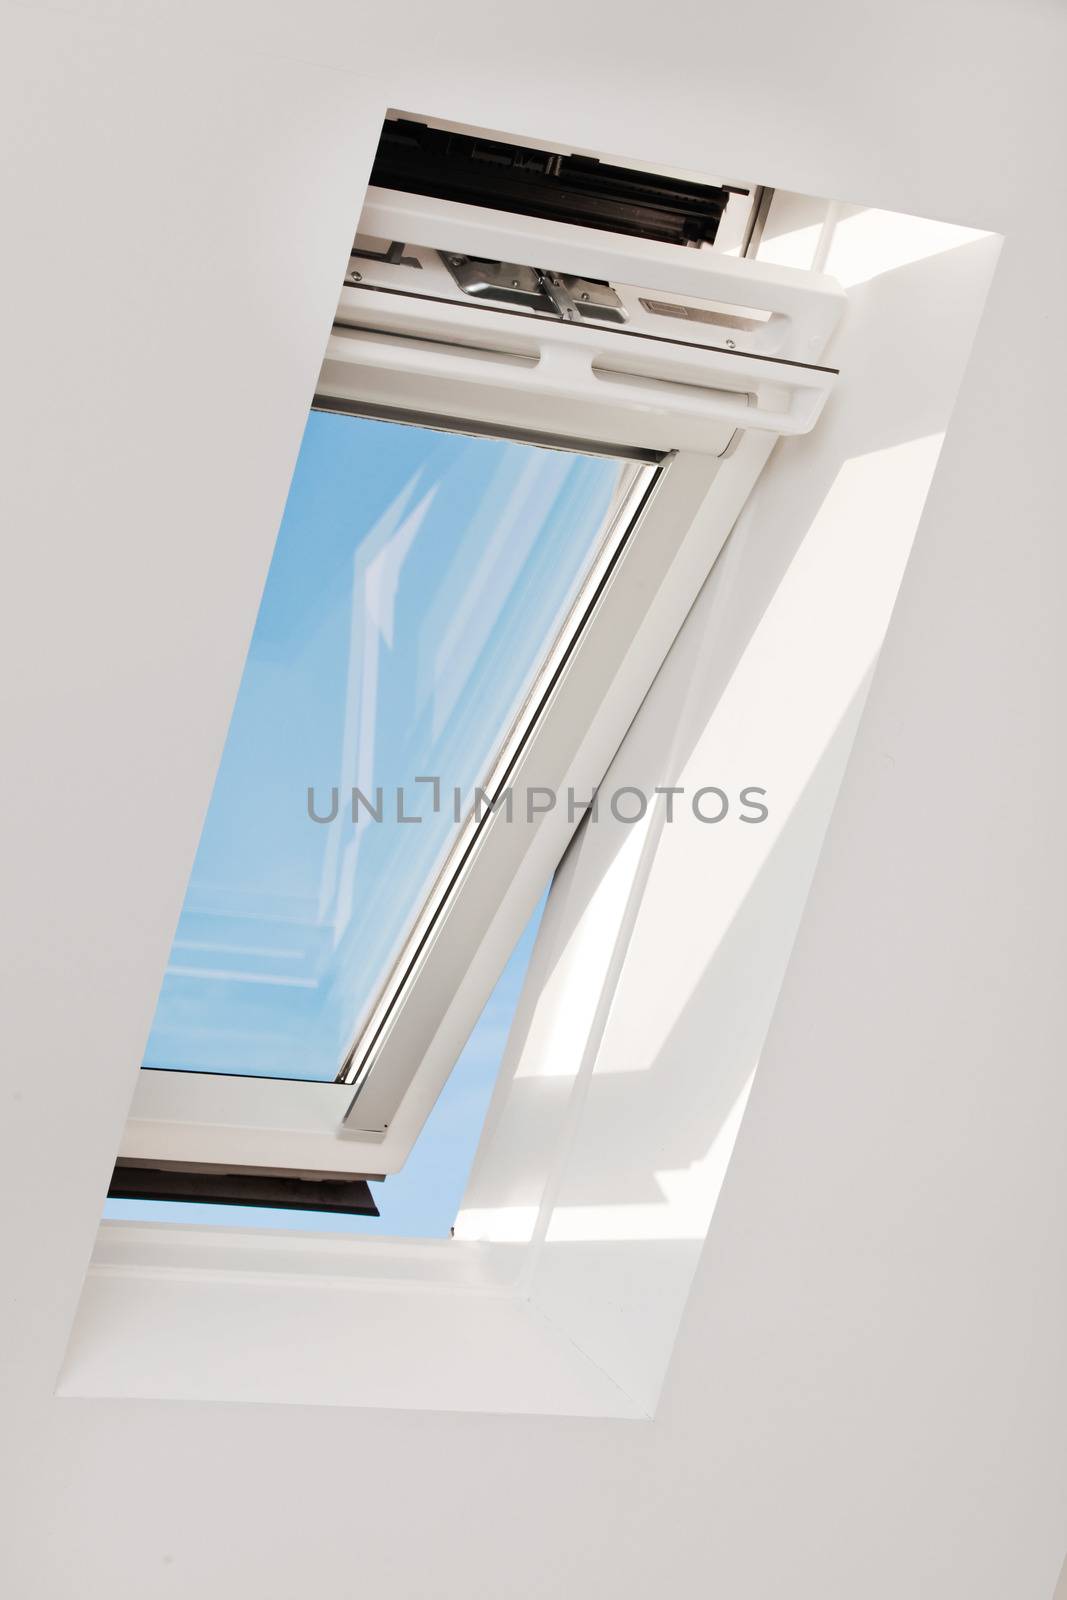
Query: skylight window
<point>419,583</point>
<point>513,483</point>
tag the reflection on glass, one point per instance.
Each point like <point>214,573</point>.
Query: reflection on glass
<point>418,580</point>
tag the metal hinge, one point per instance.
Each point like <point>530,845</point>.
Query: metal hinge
<point>551,293</point>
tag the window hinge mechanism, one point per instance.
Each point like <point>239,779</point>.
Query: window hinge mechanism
<point>550,293</point>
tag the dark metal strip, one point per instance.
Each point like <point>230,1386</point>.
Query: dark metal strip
<point>223,1188</point>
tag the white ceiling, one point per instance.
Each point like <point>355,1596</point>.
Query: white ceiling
<point>868,1398</point>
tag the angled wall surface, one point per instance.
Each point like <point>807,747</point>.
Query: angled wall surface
<point>868,1396</point>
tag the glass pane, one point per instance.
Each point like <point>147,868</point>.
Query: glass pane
<point>418,580</point>
<point>421,1201</point>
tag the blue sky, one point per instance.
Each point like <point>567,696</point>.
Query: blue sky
<point>417,579</point>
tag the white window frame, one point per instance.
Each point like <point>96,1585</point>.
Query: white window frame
<point>716,414</point>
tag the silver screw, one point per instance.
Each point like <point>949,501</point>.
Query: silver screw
<point>584,295</point>
<point>356,277</point>
<point>730,344</point>
<point>514,283</point>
